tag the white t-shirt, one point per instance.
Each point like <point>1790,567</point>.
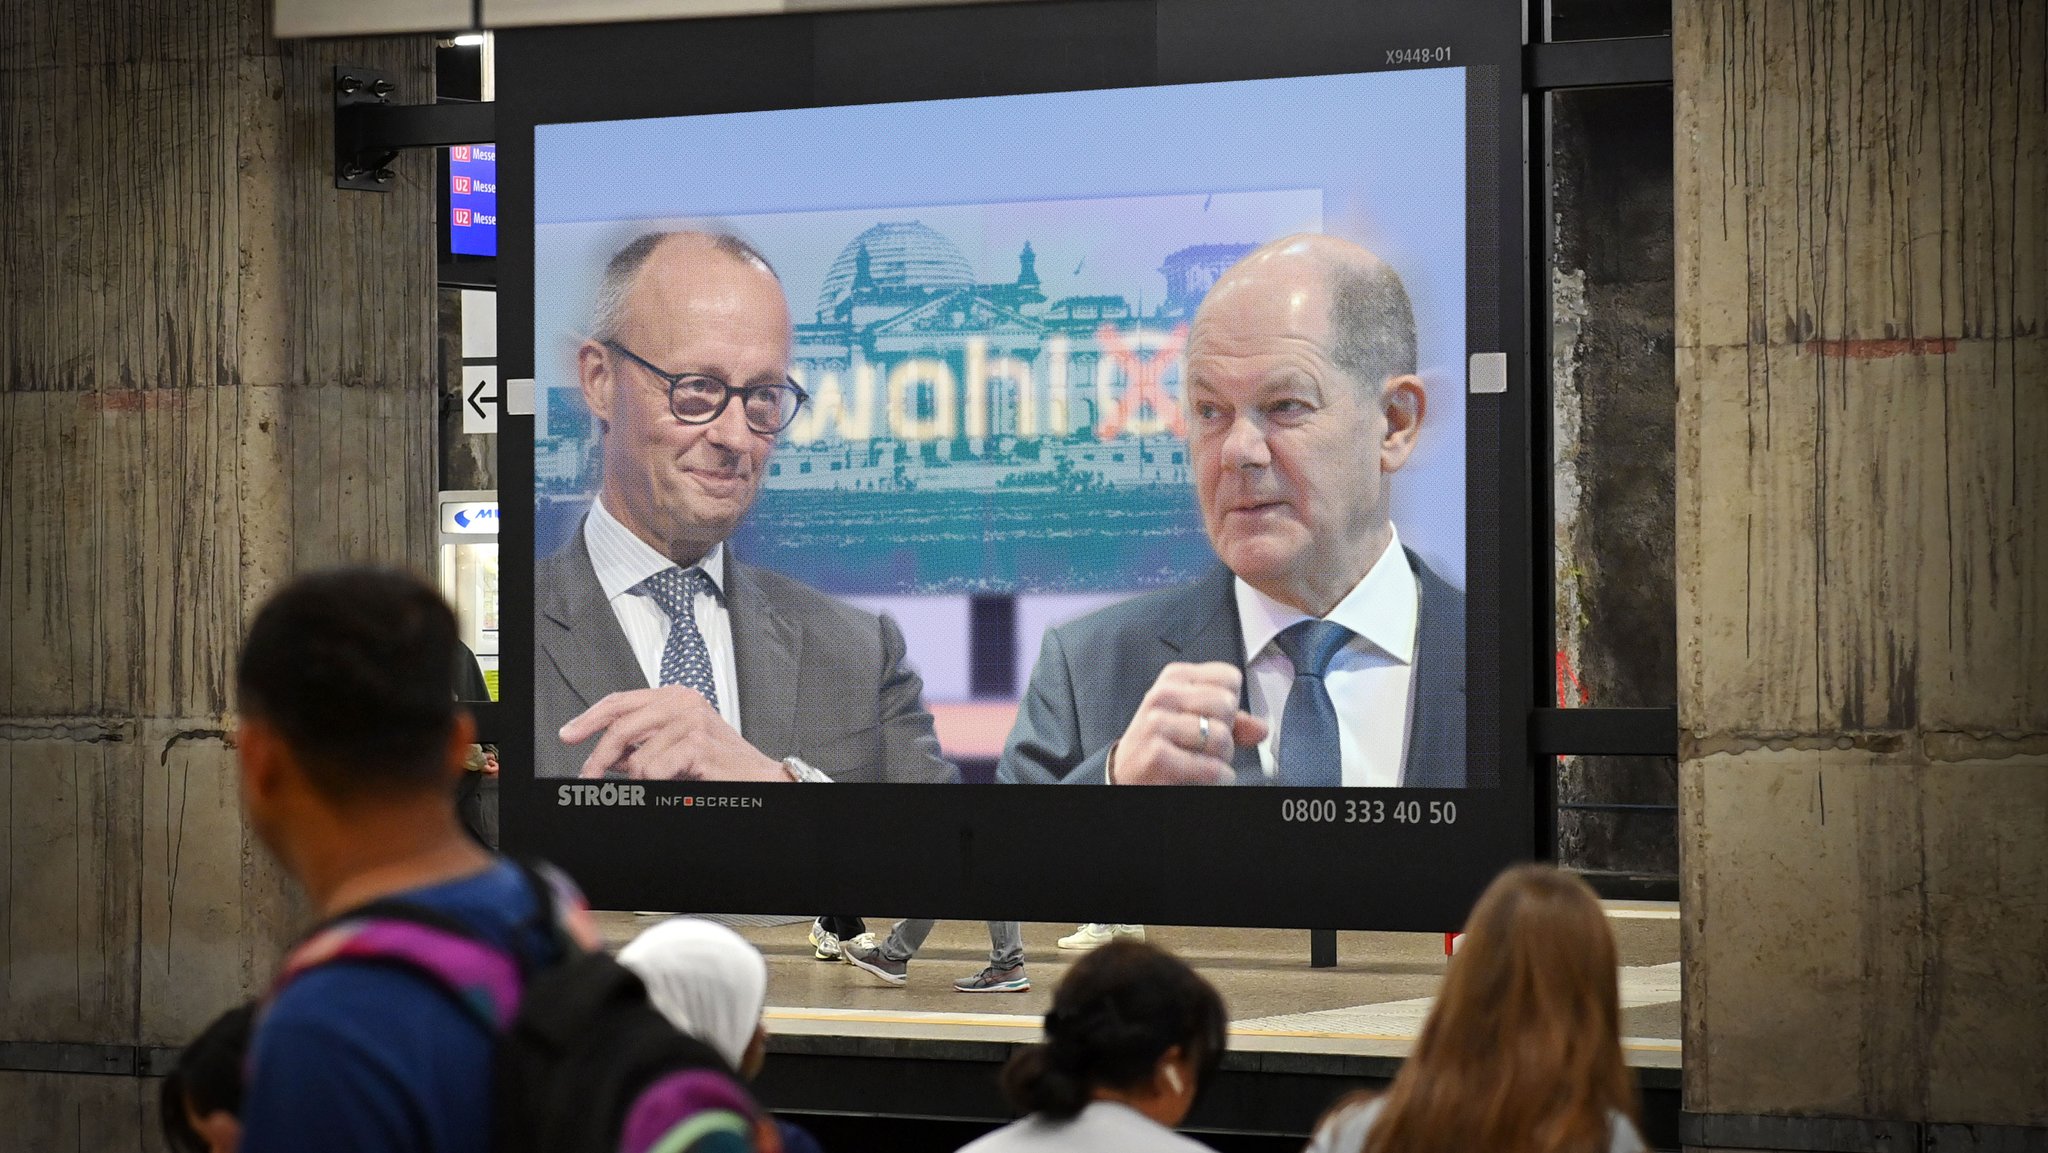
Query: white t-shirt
<point>1101,1127</point>
<point>1346,1132</point>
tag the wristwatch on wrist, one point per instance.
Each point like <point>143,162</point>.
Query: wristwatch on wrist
<point>799,770</point>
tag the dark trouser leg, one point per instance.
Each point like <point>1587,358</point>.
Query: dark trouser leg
<point>477,808</point>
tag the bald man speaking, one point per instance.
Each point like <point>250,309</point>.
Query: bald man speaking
<point>1321,652</point>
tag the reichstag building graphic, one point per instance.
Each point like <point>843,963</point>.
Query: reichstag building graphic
<point>965,433</point>
<point>923,377</point>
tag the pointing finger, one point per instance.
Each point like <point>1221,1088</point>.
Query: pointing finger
<point>598,716</point>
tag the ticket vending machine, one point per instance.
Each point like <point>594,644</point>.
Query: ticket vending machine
<point>468,525</point>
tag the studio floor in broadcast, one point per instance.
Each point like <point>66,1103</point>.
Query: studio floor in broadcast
<point>1372,1003</point>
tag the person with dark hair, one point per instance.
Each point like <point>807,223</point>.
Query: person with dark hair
<point>350,744</point>
<point>1522,1050</point>
<point>201,1098</point>
<point>1132,1036</point>
<point>1321,651</point>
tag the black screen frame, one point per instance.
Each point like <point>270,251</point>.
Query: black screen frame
<point>1177,855</point>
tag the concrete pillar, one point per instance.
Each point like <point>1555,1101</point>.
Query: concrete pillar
<point>215,369</point>
<point>1862,208</point>
<point>469,460</point>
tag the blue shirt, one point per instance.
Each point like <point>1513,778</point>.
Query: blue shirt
<point>357,1056</point>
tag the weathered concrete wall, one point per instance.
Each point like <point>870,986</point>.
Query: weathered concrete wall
<point>469,460</point>
<point>40,1111</point>
<point>1613,403</point>
<point>1862,192</point>
<point>215,370</point>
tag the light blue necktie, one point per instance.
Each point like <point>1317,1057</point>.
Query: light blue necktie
<point>1309,753</point>
<point>684,659</point>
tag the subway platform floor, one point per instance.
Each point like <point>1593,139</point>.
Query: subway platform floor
<point>1370,1005</point>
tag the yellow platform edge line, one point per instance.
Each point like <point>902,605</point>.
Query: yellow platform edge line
<point>879,1018</point>
<point>1031,1022</point>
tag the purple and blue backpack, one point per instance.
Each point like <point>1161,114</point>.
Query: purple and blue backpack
<point>583,1062</point>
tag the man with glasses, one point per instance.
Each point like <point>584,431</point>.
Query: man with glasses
<point>659,655</point>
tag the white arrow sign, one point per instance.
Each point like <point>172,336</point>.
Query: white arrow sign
<point>480,398</point>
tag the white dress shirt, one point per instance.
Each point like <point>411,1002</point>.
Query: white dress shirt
<point>622,562</point>
<point>1371,679</point>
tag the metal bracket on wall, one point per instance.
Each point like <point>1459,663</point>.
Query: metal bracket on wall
<point>1617,62</point>
<point>370,131</point>
<point>1604,732</point>
<point>87,1057</point>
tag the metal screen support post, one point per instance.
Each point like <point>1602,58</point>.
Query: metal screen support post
<point>1322,948</point>
<point>370,131</point>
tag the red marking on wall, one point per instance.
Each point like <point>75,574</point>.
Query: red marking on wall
<point>1568,683</point>
<point>1882,349</point>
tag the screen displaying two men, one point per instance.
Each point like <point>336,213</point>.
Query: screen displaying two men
<point>1179,370</point>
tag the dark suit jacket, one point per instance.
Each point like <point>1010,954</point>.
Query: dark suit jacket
<point>818,679</point>
<point>1093,673</point>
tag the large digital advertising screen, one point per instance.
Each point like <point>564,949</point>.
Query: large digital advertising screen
<point>895,463</point>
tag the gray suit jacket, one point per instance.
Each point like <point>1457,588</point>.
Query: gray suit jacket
<point>1093,673</point>
<point>818,679</point>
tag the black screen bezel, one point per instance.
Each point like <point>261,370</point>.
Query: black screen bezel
<point>1178,856</point>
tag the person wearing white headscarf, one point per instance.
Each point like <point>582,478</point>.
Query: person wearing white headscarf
<point>709,982</point>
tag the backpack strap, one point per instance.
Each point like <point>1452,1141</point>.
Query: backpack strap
<point>485,979</point>
<point>482,978</point>
<point>562,907</point>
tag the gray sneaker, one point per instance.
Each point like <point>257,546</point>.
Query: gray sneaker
<point>994,980</point>
<point>872,962</point>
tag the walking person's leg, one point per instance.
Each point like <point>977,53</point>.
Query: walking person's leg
<point>890,960</point>
<point>1005,972</point>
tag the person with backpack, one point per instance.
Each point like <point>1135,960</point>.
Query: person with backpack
<point>450,1001</point>
<point>712,983</point>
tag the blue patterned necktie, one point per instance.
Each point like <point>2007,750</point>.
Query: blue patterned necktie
<point>1309,753</point>
<point>684,659</point>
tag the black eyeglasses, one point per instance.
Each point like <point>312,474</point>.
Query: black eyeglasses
<point>694,398</point>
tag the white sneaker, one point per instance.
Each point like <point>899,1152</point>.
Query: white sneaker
<point>1094,935</point>
<point>824,945</point>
